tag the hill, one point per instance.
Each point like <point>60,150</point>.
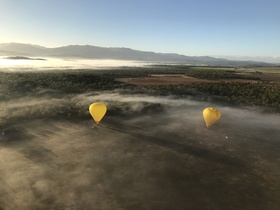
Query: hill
<point>94,52</point>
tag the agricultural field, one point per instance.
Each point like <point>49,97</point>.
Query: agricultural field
<point>258,87</point>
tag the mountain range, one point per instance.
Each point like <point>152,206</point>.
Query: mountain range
<point>94,52</point>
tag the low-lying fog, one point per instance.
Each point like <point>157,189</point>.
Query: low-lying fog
<point>150,153</point>
<point>31,63</point>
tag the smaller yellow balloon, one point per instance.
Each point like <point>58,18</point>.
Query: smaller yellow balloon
<point>211,115</point>
<point>97,111</point>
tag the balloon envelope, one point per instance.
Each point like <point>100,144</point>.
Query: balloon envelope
<point>97,111</point>
<point>211,115</point>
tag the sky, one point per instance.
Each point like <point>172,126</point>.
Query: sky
<point>189,27</point>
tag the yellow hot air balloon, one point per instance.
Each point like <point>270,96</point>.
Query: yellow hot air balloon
<point>97,111</point>
<point>211,115</point>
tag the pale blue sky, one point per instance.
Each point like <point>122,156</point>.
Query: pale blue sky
<point>190,27</point>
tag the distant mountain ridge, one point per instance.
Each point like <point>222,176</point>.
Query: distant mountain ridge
<point>94,52</point>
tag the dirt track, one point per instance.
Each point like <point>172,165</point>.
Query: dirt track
<point>161,80</point>
<point>177,79</point>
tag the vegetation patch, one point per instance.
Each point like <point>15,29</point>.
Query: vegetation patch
<point>56,94</point>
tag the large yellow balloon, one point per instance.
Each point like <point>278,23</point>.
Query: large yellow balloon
<point>97,111</point>
<point>211,115</point>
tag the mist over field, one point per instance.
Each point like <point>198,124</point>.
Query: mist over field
<point>149,152</point>
<point>45,63</point>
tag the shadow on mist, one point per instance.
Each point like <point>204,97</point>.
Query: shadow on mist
<point>182,148</point>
